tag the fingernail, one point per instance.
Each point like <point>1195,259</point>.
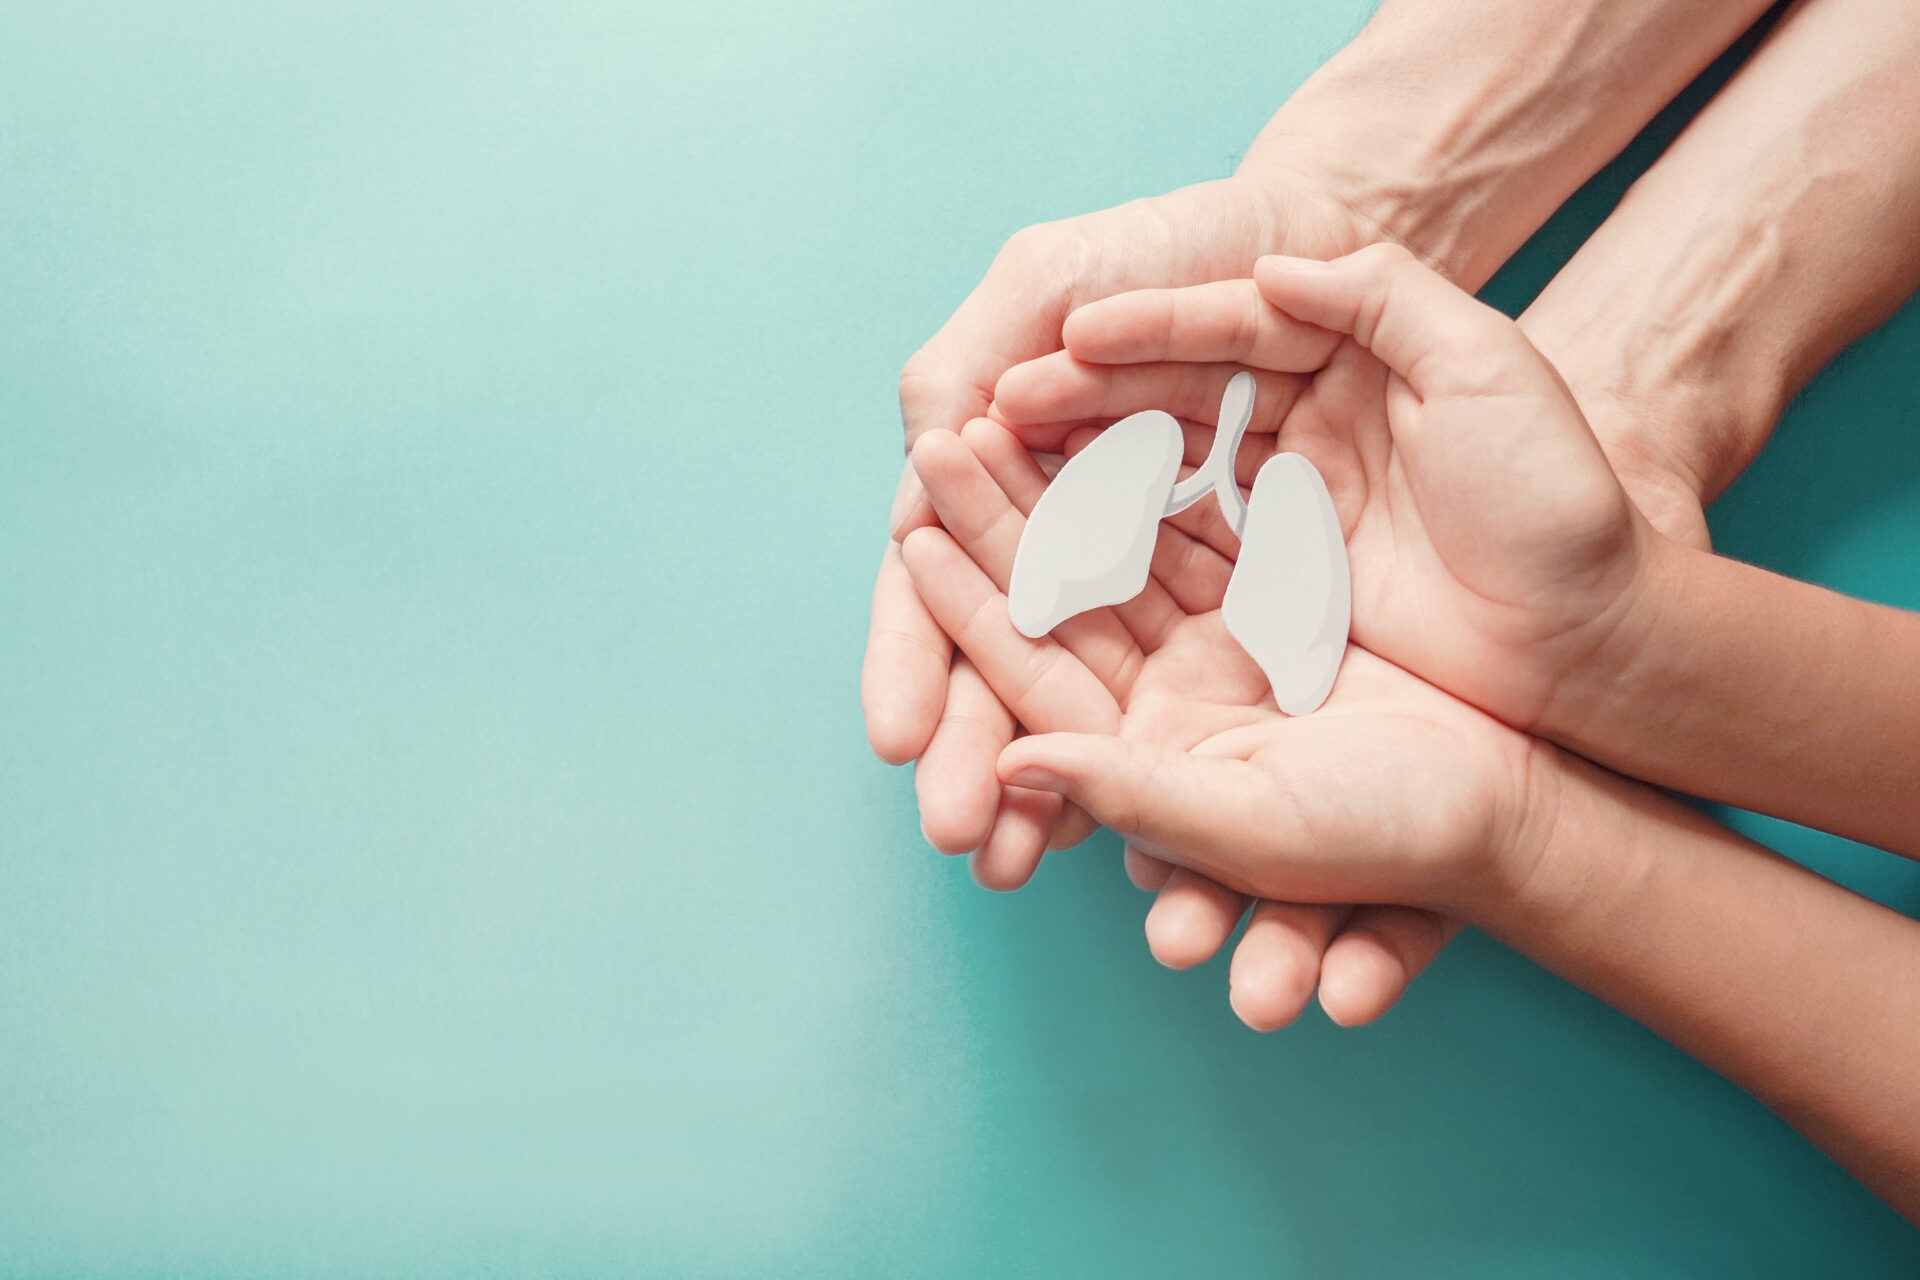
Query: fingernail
<point>1034,778</point>
<point>1336,993</point>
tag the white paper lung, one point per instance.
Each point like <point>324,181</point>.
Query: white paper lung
<point>1290,601</point>
<point>1089,542</point>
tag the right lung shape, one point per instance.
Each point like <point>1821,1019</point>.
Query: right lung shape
<point>1089,541</point>
<point>1290,600</point>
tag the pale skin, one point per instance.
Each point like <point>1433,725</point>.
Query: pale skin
<point>1398,792</point>
<point>1519,104</point>
<point>1496,555</point>
<point>1775,230</point>
<point>1681,384</point>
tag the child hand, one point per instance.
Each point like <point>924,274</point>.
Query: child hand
<point>1160,669</point>
<point>1493,551</point>
<point>1392,792</point>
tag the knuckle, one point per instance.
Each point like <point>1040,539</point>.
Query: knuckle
<point>1142,774</point>
<point>1247,321</point>
<point>1029,244</point>
<point>1051,260</point>
<point>1375,297</point>
<point>919,390</point>
<point>912,641</point>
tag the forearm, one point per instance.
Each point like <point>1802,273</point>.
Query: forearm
<point>1459,128</point>
<point>1804,994</point>
<point>1729,682</point>
<point>1777,228</point>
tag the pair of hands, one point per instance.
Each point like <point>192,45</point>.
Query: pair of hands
<point>1486,569</point>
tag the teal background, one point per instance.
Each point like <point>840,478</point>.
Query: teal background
<point>443,455</point>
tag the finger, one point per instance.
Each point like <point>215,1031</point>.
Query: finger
<point>1224,320</point>
<point>975,510</point>
<point>954,779</point>
<point>1073,826</point>
<point>1440,339</point>
<point>1044,685</point>
<point>1278,962</point>
<point>1382,949</point>
<point>981,518</point>
<point>903,681</point>
<point>1010,463</point>
<point>1191,571</point>
<point>1012,851</point>
<point>1110,641</point>
<point>943,384</point>
<point>1060,389</point>
<point>1147,872</point>
<point>911,510</point>
<point>1191,919</point>
<point>1009,317</point>
<point>1218,816</point>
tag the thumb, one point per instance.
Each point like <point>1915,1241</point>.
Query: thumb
<point>1436,336</point>
<point>1220,817</point>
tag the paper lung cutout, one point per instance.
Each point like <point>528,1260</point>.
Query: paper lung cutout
<point>1090,539</point>
<point>1289,602</point>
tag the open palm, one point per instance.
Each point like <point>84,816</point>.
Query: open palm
<point>1159,670</point>
<point>1492,547</point>
<point>1393,791</point>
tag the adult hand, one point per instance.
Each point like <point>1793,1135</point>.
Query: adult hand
<point>1206,232</point>
<point>1341,164</point>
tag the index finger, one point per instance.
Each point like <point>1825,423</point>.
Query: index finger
<point>1202,323</point>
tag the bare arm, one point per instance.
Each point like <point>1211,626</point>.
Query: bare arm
<point>1798,990</point>
<point>1803,993</point>
<point>1457,129</point>
<point>1726,681</point>
<point>1779,227</point>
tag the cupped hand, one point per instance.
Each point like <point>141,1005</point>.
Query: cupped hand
<point>1494,551</point>
<point>1210,231</point>
<point>1159,670</point>
<point>1392,792</point>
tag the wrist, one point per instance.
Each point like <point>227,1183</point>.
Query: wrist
<point>1679,403</point>
<point>1567,853</point>
<point>1631,667</point>
<point>1334,135</point>
<point>1457,159</point>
